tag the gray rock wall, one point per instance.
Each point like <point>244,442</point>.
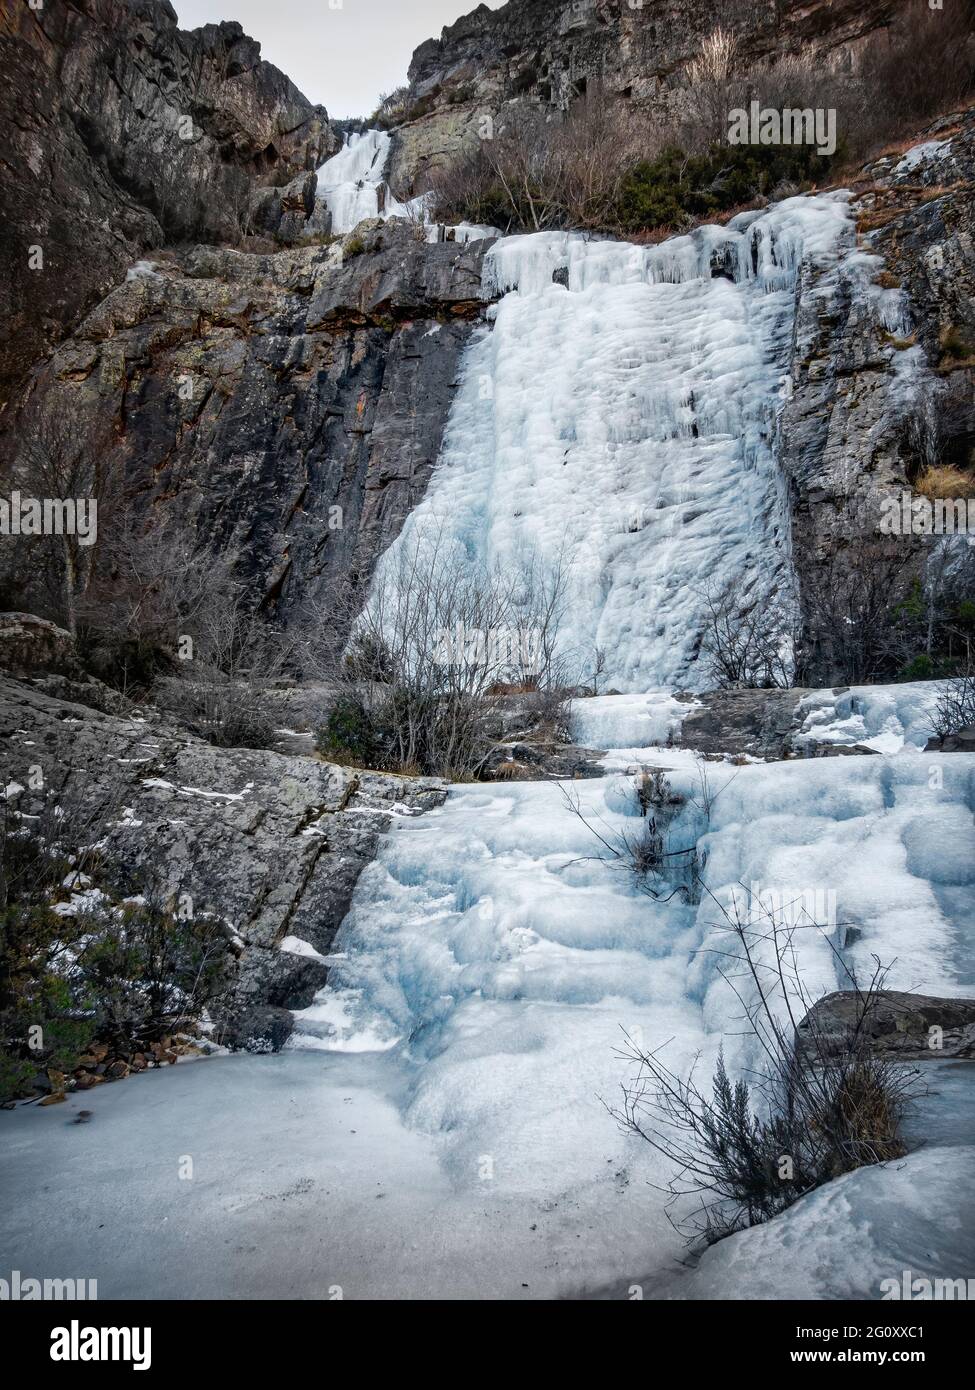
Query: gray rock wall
<point>284,411</point>
<point>122,132</point>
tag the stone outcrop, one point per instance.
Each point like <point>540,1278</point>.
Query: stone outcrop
<point>29,645</point>
<point>122,133</point>
<point>961,742</point>
<point>550,51</point>
<point>271,844</point>
<point>283,410</point>
<point>759,723</point>
<point>896,1026</point>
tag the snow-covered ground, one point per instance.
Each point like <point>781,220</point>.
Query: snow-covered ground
<point>437,1126</point>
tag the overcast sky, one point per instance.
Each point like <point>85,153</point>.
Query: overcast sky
<point>343,57</point>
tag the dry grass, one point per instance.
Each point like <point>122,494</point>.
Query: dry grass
<point>899,344</point>
<point>870,1115</point>
<point>956,351</point>
<point>513,771</point>
<point>945,481</point>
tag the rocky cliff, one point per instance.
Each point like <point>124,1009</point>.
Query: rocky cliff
<point>282,410</point>
<point>876,393</point>
<point>550,51</point>
<point>123,133</point>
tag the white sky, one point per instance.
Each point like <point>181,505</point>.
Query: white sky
<point>343,57</point>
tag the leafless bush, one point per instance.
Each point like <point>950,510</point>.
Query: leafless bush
<point>65,459</point>
<point>545,170</point>
<point>646,855</point>
<point>433,652</point>
<point>748,639</point>
<point>715,60</point>
<point>230,663</point>
<point>857,625</point>
<point>817,1106</point>
<point>955,708</point>
<point>925,64</point>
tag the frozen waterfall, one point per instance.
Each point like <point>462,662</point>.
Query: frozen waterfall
<point>621,415</point>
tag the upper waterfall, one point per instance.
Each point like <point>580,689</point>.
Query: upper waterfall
<point>352,183</point>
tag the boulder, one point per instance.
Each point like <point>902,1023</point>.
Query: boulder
<point>898,1026</point>
<point>729,722</point>
<point>961,742</point>
<point>30,646</point>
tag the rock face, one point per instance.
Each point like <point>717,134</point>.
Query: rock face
<point>121,133</point>
<point>272,844</point>
<point>283,410</point>
<point>871,406</point>
<point>550,51</point>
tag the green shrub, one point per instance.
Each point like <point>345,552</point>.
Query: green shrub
<point>920,668</point>
<point>674,187</point>
<point>349,735</point>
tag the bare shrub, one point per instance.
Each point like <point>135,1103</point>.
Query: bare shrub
<point>858,613</point>
<point>748,639</point>
<point>232,660</point>
<point>925,64</point>
<point>61,458</point>
<point>646,855</point>
<point>955,708</point>
<point>433,653</point>
<point>817,1106</point>
<point>716,58</point>
<point>542,171</point>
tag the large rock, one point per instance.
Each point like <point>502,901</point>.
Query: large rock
<point>30,646</point>
<point>271,844</point>
<point>121,132</point>
<point>759,723</point>
<point>896,1025</point>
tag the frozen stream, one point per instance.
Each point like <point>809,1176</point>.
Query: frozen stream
<point>437,1128</point>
